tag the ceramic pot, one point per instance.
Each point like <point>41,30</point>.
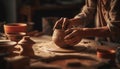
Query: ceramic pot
<point>15,28</point>
<point>106,54</point>
<point>15,36</point>
<point>58,39</point>
<point>27,45</point>
<point>15,31</point>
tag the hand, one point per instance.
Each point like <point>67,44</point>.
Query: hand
<point>58,24</point>
<point>73,35</point>
<point>62,23</point>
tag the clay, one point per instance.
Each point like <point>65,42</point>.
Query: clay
<point>27,44</point>
<point>58,39</point>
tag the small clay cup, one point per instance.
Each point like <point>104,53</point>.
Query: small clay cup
<point>106,54</point>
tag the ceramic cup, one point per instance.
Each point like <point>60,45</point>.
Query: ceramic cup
<point>15,31</point>
<point>106,54</point>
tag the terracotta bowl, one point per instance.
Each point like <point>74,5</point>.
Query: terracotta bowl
<point>6,46</point>
<point>105,54</point>
<point>7,43</point>
<point>15,28</point>
<point>15,36</point>
<point>15,31</point>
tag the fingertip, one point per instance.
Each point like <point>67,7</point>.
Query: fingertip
<point>68,31</point>
<point>61,18</point>
<point>66,37</point>
<point>65,23</point>
<point>58,24</point>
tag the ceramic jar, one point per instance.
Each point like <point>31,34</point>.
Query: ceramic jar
<point>27,45</point>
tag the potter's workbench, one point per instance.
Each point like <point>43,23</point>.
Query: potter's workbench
<point>81,56</point>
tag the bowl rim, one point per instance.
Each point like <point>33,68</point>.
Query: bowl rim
<point>15,24</point>
<point>7,43</point>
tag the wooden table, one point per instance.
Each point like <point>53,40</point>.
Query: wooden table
<point>47,55</point>
<point>81,56</point>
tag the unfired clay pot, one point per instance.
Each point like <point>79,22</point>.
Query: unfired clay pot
<point>58,39</point>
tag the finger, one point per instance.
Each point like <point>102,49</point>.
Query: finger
<point>65,23</point>
<point>58,23</point>
<point>72,41</point>
<point>69,36</point>
<point>69,42</point>
<point>68,31</point>
<point>76,40</point>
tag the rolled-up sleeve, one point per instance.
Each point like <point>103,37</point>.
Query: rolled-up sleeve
<point>114,17</point>
<point>88,11</point>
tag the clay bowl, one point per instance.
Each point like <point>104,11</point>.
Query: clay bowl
<point>58,39</point>
<point>15,28</point>
<point>6,46</point>
<point>15,31</point>
<point>15,36</point>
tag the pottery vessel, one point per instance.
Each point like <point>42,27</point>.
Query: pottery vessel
<point>106,54</point>
<point>15,28</point>
<point>58,39</point>
<point>7,47</point>
<point>15,31</point>
<point>27,45</point>
<point>16,36</point>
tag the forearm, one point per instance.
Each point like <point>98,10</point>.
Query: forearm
<point>98,32</point>
<point>77,21</point>
<point>80,21</point>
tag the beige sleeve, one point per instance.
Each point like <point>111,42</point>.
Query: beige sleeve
<point>114,17</point>
<point>88,11</point>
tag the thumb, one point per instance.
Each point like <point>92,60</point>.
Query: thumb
<point>58,24</point>
<point>65,23</point>
<point>69,34</point>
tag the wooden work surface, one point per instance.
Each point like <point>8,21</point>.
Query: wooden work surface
<point>50,56</point>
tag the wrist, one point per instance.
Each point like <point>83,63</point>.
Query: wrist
<point>96,32</point>
<point>74,20</point>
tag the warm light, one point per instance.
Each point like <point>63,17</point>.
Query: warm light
<point>110,54</point>
<point>112,51</point>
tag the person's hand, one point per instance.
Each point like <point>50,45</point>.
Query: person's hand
<point>73,35</point>
<point>62,23</point>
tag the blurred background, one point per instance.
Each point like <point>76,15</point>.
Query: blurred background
<point>40,14</point>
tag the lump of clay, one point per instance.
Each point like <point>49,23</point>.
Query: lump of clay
<point>58,38</point>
